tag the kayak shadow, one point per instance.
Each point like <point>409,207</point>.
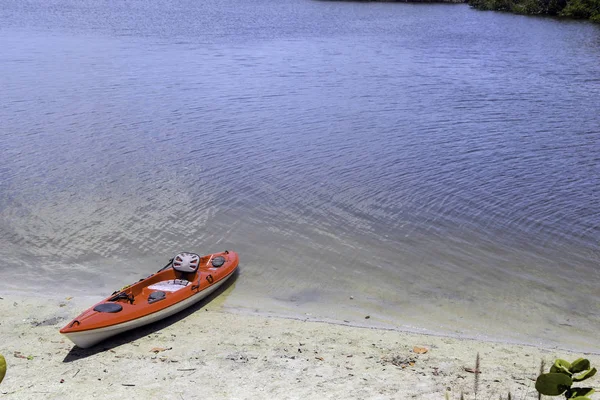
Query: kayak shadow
<point>77,353</point>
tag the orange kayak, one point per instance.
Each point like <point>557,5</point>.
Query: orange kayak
<point>187,279</point>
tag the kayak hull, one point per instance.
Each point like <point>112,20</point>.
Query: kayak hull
<point>92,327</point>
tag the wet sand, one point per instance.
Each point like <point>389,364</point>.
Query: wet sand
<point>211,351</point>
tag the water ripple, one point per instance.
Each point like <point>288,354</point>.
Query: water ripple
<point>373,148</point>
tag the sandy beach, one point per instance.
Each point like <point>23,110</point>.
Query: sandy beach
<point>211,352</point>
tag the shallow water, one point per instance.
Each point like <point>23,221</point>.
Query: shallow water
<point>437,164</point>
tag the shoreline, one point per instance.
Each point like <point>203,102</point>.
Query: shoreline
<point>214,352</point>
<point>220,297</point>
<point>440,335</point>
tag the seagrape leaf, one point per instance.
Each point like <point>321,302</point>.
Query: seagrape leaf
<point>585,376</point>
<point>579,365</point>
<point>553,384</point>
<point>580,392</point>
<point>561,366</point>
<point>2,367</point>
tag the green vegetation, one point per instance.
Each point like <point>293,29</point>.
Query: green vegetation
<point>558,381</point>
<point>579,9</point>
<point>561,377</point>
<point>2,367</point>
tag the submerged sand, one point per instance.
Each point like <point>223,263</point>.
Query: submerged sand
<point>211,352</point>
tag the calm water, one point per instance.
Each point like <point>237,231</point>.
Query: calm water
<point>438,164</point>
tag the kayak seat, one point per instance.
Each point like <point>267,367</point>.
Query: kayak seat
<point>171,285</point>
<point>186,262</point>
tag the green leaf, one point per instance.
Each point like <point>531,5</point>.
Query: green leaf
<point>2,367</point>
<point>581,392</point>
<point>579,365</point>
<point>580,398</point>
<point>585,376</point>
<point>561,366</point>
<point>553,384</point>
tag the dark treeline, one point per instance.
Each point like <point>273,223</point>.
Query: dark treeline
<point>580,9</point>
<point>576,9</point>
